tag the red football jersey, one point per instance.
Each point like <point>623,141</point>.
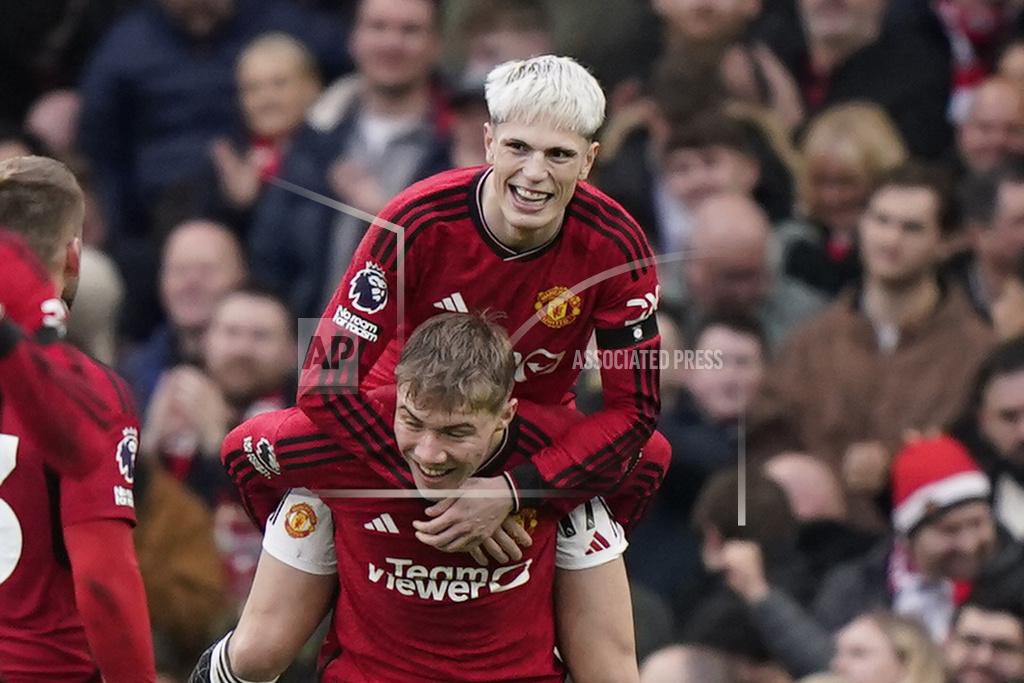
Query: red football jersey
<point>596,274</point>
<point>41,633</point>
<point>408,611</point>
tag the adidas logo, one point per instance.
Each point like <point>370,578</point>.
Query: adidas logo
<point>382,523</point>
<point>598,544</point>
<point>453,303</point>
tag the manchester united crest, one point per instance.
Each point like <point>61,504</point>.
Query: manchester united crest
<point>558,307</point>
<point>300,521</point>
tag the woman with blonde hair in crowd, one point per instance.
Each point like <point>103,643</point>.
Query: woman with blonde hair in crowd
<point>881,647</point>
<point>844,151</point>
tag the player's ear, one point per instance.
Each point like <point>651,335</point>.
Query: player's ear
<point>509,411</point>
<point>73,259</point>
<point>588,159</point>
<point>489,142</point>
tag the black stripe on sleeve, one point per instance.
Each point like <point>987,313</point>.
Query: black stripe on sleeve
<point>628,224</point>
<point>629,232</point>
<point>590,222</point>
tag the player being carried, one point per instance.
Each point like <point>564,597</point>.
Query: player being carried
<point>408,611</point>
<point>525,236</point>
<point>68,441</point>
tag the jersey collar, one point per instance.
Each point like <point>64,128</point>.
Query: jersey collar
<point>490,239</point>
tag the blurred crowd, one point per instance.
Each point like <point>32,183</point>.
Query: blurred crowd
<point>836,191</point>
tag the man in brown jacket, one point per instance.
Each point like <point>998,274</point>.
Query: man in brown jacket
<point>895,354</point>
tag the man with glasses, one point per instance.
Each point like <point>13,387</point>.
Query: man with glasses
<point>986,644</point>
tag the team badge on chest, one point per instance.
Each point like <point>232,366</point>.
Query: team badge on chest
<point>558,307</point>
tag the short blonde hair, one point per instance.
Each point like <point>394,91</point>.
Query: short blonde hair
<point>39,199</point>
<point>556,90</point>
<point>859,133</point>
<point>458,361</point>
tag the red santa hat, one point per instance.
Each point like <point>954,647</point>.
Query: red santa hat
<point>930,476</point>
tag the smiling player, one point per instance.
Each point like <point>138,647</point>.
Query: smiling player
<point>408,611</point>
<point>525,236</point>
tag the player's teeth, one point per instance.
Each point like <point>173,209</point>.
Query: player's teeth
<point>529,194</point>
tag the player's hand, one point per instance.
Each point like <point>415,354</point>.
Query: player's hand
<point>27,291</point>
<point>463,523</point>
<point>866,467</point>
<point>503,546</point>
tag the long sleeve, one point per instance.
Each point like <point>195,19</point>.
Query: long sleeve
<point>56,399</point>
<point>794,638</point>
<point>598,453</point>
<point>108,583</point>
<point>275,451</point>
<point>358,326</point>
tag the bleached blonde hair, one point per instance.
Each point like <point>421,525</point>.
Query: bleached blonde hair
<point>555,90</point>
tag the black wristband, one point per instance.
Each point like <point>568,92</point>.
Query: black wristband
<point>526,477</point>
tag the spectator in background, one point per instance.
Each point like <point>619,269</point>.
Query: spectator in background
<point>182,572</point>
<point>717,33</point>
<point>101,290</point>
<point>818,502</point>
<point>992,128</point>
<point>277,83</point>
<point>494,32</point>
<point>663,159</point>
<point>158,90</point>
<point>249,365</point>
<point>732,271</point>
<point>469,113</point>
<point>45,44</point>
<point>897,353</point>
<point>993,215</point>
<point>850,53</point>
<point>845,150</point>
<point>249,352</point>
<point>97,307</point>
<point>992,428</point>
<point>686,664</point>
<point>498,31</point>
<point>720,618</point>
<point>54,118</point>
<point>709,155</point>
<point>976,30</point>
<point>202,261</point>
<point>701,420</point>
<point>987,640</point>
<point>369,136</point>
<point>946,545</point>
<point>880,647</point>
<point>1011,62</point>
